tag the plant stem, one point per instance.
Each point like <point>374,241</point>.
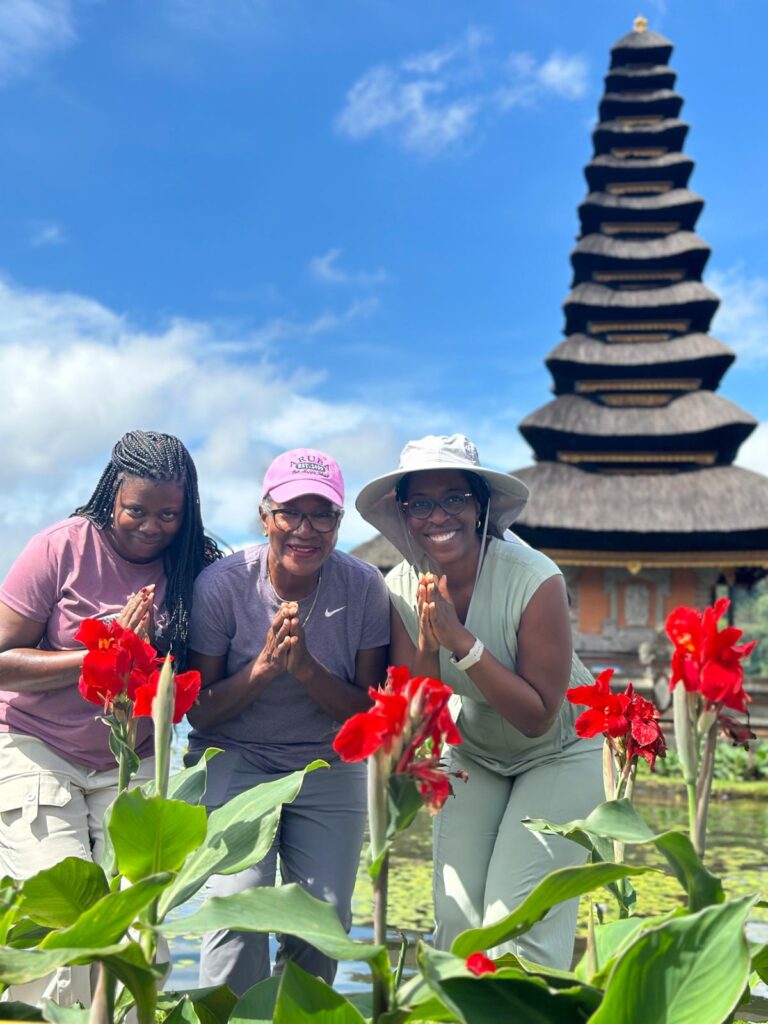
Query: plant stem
<point>380,887</point>
<point>609,777</point>
<point>380,884</point>
<point>704,789</point>
<point>103,1002</point>
<point>123,772</point>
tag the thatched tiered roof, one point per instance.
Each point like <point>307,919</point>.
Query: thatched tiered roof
<point>634,452</point>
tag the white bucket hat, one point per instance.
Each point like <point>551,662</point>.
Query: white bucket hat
<point>377,502</point>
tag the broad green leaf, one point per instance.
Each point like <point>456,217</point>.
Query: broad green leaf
<point>612,939</point>
<point>690,970</point>
<point>25,934</point>
<point>760,962</point>
<point>238,835</point>
<point>212,1005</point>
<point>63,1014</point>
<point>108,920</point>
<point>14,1010</point>
<point>189,784</point>
<point>151,834</point>
<point>557,887</point>
<point>618,820</point>
<point>305,999</point>
<point>183,1012</point>
<point>288,909</point>
<point>257,1005</point>
<point>509,994</point>
<point>57,896</point>
<point>18,966</point>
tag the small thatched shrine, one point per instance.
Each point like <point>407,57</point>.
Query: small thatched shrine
<point>634,493</point>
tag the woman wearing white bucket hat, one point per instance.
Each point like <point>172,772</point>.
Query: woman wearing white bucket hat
<point>489,618</point>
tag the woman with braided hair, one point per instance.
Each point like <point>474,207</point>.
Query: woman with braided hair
<point>131,553</point>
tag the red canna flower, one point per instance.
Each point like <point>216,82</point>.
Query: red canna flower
<point>104,674</point>
<point>186,690</point>
<point>479,963</point>
<point>645,738</point>
<point>117,662</point>
<point>607,712</point>
<point>432,782</point>
<point>708,660</point>
<point>408,713</point>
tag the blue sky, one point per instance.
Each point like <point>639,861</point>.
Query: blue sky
<point>266,223</point>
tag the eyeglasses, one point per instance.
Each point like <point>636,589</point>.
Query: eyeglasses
<point>290,519</point>
<point>422,508</point>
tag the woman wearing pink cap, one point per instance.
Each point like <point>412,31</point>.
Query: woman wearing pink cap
<point>288,636</point>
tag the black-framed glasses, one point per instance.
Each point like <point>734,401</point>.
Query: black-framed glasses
<point>422,508</point>
<point>290,519</point>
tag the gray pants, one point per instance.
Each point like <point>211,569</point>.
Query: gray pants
<point>318,840</point>
<point>486,862</point>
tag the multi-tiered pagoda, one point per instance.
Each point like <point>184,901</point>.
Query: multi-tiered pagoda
<point>634,493</point>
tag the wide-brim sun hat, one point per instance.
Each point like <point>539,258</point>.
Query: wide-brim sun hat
<point>377,502</point>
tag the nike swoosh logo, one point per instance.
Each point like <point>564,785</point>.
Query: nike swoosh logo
<point>329,613</point>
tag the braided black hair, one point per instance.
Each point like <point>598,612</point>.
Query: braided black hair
<point>161,457</point>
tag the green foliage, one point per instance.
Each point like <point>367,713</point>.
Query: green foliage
<point>732,764</point>
<point>688,965</point>
<point>750,614</point>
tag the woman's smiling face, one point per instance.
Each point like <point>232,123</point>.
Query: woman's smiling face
<point>445,537</point>
<point>146,517</point>
<point>299,552</point>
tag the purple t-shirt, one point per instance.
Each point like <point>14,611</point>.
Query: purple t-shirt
<point>234,605</point>
<point>67,573</point>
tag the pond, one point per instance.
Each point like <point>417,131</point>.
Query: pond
<point>736,852</point>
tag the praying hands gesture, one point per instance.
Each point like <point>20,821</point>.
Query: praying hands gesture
<point>285,648</point>
<point>439,624</point>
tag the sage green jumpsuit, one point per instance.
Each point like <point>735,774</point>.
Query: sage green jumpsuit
<point>485,861</point>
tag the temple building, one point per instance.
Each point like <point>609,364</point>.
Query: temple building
<point>634,492</point>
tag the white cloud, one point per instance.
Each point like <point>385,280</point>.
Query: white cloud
<point>433,100</point>
<point>43,233</point>
<point>565,75</point>
<point>75,375</point>
<point>29,30</point>
<point>326,268</point>
<point>742,319</point>
<point>753,454</point>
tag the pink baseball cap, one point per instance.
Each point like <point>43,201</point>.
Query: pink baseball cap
<point>304,471</point>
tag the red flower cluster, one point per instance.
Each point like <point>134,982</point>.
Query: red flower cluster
<point>120,665</point>
<point>406,714</point>
<point>619,716</point>
<point>708,660</point>
<point>479,963</point>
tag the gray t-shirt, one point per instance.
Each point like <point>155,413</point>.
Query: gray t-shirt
<point>234,605</point>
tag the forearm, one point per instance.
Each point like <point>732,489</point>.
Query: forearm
<point>515,699</point>
<point>226,698</point>
<point>509,693</point>
<point>336,697</point>
<point>28,670</point>
<point>426,663</point>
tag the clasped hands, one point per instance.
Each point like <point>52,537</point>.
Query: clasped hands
<point>285,648</point>
<point>439,625</point>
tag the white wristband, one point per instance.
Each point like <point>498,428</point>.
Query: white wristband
<point>470,659</point>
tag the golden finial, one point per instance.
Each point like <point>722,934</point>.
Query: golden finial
<point>640,24</point>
